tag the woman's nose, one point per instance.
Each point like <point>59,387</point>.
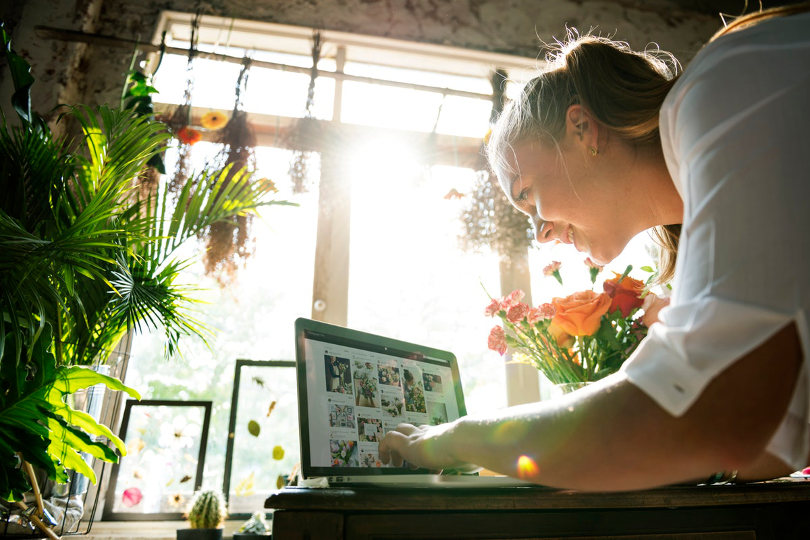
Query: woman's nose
<point>542,230</point>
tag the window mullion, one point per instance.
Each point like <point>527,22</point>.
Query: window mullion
<point>522,380</point>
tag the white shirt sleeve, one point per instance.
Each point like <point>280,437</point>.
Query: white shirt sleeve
<point>735,136</point>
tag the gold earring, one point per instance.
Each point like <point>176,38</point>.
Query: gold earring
<point>594,151</point>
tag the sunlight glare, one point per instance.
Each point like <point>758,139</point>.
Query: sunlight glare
<point>527,468</point>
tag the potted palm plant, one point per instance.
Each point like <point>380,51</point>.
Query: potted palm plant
<point>85,257</point>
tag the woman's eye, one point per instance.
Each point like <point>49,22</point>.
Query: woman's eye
<point>523,195</point>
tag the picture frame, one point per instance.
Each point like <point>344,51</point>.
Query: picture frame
<point>164,438</point>
<point>264,392</point>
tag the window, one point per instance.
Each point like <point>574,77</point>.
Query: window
<point>404,123</point>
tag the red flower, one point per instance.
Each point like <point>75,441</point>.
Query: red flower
<point>187,135</point>
<point>493,308</point>
<point>517,312</point>
<point>497,340</point>
<point>624,294</point>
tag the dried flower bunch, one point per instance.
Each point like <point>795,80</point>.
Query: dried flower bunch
<point>490,220</point>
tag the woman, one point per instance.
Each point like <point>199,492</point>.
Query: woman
<point>719,384</point>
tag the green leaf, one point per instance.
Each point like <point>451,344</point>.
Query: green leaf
<point>45,429</point>
<point>22,78</point>
<point>648,268</point>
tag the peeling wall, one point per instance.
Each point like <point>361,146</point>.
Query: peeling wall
<point>72,73</point>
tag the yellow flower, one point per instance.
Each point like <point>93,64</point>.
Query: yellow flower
<point>278,452</point>
<point>213,120</point>
<point>245,487</point>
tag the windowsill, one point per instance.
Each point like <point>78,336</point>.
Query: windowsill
<point>136,530</point>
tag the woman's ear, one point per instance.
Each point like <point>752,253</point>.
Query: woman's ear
<point>580,124</point>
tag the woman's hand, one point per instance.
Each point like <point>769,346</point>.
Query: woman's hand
<point>421,446</point>
<point>651,306</point>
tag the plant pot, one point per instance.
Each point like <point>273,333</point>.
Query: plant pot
<point>199,534</point>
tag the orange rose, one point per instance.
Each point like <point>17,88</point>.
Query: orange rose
<point>580,313</point>
<point>625,295</point>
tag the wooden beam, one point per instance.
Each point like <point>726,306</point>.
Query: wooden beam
<point>47,32</point>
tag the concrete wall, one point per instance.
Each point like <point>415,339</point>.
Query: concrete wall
<point>73,73</point>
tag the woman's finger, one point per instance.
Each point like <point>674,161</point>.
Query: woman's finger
<point>390,446</point>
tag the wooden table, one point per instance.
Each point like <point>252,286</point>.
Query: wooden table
<point>730,512</point>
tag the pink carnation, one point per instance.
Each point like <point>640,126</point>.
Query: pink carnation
<point>590,264</point>
<point>497,340</point>
<point>548,310</point>
<point>513,299</point>
<point>493,308</point>
<point>536,314</point>
<point>551,268</point>
<point>517,312</point>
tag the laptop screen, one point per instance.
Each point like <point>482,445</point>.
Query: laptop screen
<point>353,387</point>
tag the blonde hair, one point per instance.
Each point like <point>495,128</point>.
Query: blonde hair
<point>622,88</point>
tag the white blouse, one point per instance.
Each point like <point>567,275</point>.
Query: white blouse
<point>735,131</point>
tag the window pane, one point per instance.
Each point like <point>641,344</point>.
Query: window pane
<point>409,279</point>
<point>269,91</point>
<point>431,78</point>
<point>386,106</point>
<point>464,117</point>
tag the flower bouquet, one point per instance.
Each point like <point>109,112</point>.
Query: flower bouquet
<point>343,453</point>
<point>577,339</point>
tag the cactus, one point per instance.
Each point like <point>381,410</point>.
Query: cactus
<point>207,510</point>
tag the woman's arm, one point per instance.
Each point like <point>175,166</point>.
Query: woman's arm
<point>612,436</point>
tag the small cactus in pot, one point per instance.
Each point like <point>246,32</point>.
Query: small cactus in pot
<point>206,514</point>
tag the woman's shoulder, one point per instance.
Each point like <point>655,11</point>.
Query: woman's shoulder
<point>777,35</point>
<point>738,72</point>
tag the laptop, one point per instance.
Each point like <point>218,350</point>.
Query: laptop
<point>354,387</point>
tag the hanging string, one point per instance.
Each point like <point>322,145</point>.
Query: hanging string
<point>180,120</point>
<point>298,166</point>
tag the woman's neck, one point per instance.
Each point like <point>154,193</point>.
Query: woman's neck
<point>659,202</point>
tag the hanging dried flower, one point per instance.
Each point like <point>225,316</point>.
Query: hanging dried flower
<point>181,117</point>
<point>490,220</point>
<point>189,136</point>
<point>227,241</point>
<point>214,120</point>
<point>304,128</point>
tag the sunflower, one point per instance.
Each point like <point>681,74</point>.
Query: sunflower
<point>187,135</point>
<point>213,120</point>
